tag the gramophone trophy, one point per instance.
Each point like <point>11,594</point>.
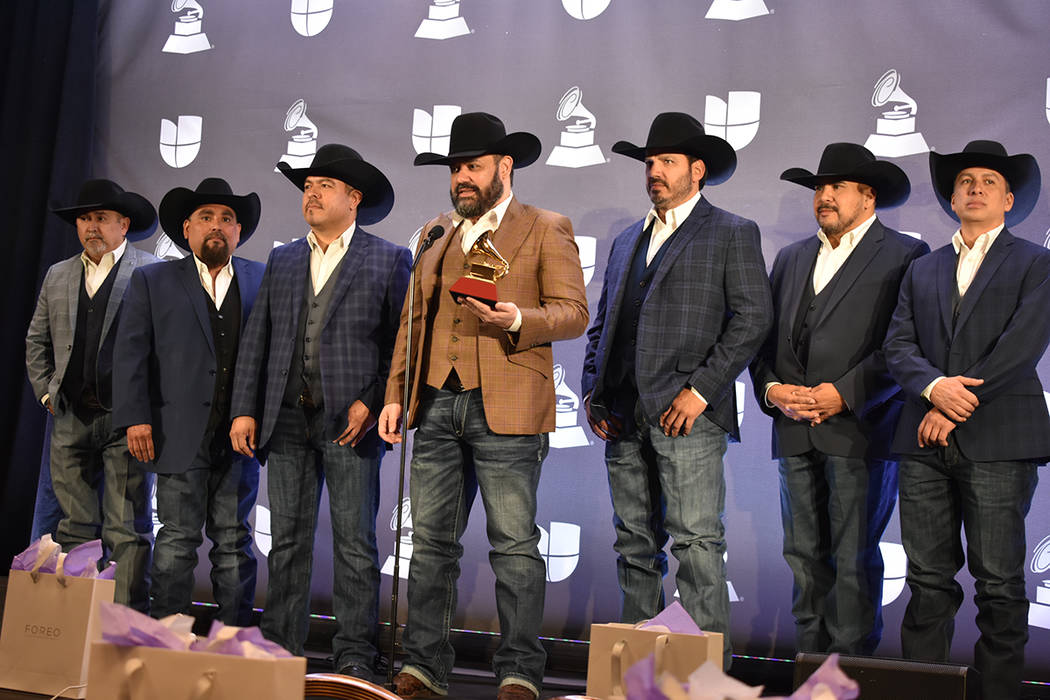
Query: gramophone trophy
<point>486,266</point>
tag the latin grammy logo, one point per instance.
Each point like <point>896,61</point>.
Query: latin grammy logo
<point>895,133</point>
<point>263,534</point>
<point>310,17</point>
<point>560,549</point>
<point>180,142</point>
<point>188,36</point>
<point>734,119</point>
<point>431,134</point>
<point>303,144</point>
<point>736,10</point>
<point>442,21</point>
<point>577,148</point>
<point>568,432</point>
<point>1039,608</point>
<point>406,541</point>
<point>588,246</point>
<point>167,250</point>
<point>741,392</point>
<point>895,569</point>
<point>585,9</point>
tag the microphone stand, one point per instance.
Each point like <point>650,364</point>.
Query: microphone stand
<point>434,234</point>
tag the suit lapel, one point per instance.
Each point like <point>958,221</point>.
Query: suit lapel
<point>352,259</point>
<point>684,236</point>
<point>120,284</point>
<point>512,231</point>
<point>190,280</point>
<point>996,255</point>
<point>854,265</point>
<point>620,263</point>
<point>75,281</point>
<point>946,286</point>
<point>298,272</point>
<point>430,266</point>
<point>799,274</point>
<point>244,273</point>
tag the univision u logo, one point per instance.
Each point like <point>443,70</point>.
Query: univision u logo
<point>180,142</point>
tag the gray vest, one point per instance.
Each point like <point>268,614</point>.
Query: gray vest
<point>304,376</point>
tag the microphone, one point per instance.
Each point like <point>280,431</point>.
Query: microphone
<point>432,236</point>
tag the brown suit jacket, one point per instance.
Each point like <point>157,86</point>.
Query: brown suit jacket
<point>545,281</point>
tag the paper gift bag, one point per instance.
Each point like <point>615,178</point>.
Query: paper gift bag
<point>147,673</point>
<point>48,627</point>
<point>616,647</point>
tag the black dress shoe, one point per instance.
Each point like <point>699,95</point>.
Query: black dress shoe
<point>358,671</point>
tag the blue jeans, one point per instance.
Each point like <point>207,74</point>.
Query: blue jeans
<point>454,455</point>
<point>940,494</point>
<point>301,461</point>
<point>84,458</point>
<point>663,486</point>
<point>47,514</point>
<point>218,499</point>
<point>834,511</point>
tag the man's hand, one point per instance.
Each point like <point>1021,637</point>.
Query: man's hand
<point>826,402</point>
<point>794,401</point>
<point>503,316</point>
<point>359,420</point>
<point>953,398</point>
<point>606,428</point>
<point>140,442</point>
<point>390,423</point>
<point>934,428</point>
<point>242,435</point>
<point>678,418</point>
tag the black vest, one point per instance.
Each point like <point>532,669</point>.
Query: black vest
<point>225,333</point>
<point>810,308</point>
<point>620,371</point>
<point>88,387</point>
<point>304,376</point>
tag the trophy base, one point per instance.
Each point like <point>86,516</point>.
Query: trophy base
<point>896,146</point>
<point>575,157</point>
<point>442,28</point>
<point>184,44</point>
<point>568,437</point>
<point>482,290</point>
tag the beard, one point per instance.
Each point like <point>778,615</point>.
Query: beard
<point>484,198</point>
<point>215,252</point>
<point>842,223</point>
<point>674,192</point>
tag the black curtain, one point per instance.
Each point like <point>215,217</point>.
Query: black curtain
<point>49,57</point>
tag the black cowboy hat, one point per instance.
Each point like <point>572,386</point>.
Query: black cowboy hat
<point>849,161</point>
<point>179,203</point>
<point>106,194</point>
<point>1020,170</point>
<point>477,134</point>
<point>677,132</point>
<point>345,164</point>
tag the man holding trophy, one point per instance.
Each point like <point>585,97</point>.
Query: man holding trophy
<point>491,297</point>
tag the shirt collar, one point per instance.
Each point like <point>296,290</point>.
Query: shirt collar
<point>674,217</point>
<point>343,241</point>
<point>116,254</point>
<point>850,238</point>
<point>205,273</point>
<point>983,242</point>
<point>493,216</point>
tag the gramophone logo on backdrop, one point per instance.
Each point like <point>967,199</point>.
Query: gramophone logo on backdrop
<point>188,36</point>
<point>1039,608</point>
<point>736,10</point>
<point>567,432</point>
<point>895,564</point>
<point>560,550</point>
<point>734,119</point>
<point>431,134</point>
<point>895,133</point>
<point>263,535</point>
<point>588,246</point>
<point>180,142</point>
<point>741,392</point>
<point>406,541</point>
<point>310,17</point>
<point>733,597</point>
<point>585,9</point>
<point>442,21</point>
<point>167,250</point>
<point>303,144</point>
<point>577,148</point>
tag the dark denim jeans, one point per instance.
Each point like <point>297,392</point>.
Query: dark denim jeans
<point>939,495</point>
<point>454,455</point>
<point>87,457</point>
<point>834,511</point>
<point>663,486</point>
<point>47,514</point>
<point>301,461</point>
<point>218,499</point>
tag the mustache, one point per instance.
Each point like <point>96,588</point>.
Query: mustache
<point>657,181</point>
<point>467,188</point>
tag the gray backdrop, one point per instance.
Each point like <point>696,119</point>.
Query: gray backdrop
<point>186,95</point>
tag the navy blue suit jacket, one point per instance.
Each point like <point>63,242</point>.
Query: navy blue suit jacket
<point>704,315</point>
<point>357,332</point>
<point>164,364</point>
<point>845,345</point>
<point>1000,335</point>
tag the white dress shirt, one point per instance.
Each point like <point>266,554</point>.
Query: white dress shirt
<point>663,228</point>
<point>830,260</point>
<point>323,262</point>
<point>222,281</point>
<point>470,232</point>
<point>95,275</point>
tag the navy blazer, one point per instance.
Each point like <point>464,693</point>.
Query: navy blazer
<point>164,371</point>
<point>1000,335</point>
<point>845,345</point>
<point>357,332</point>
<point>704,315</point>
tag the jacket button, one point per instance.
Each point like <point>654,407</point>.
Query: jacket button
<point>207,403</point>
<point>284,372</point>
<point>453,358</point>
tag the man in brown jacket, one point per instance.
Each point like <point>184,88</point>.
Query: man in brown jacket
<point>482,400</point>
